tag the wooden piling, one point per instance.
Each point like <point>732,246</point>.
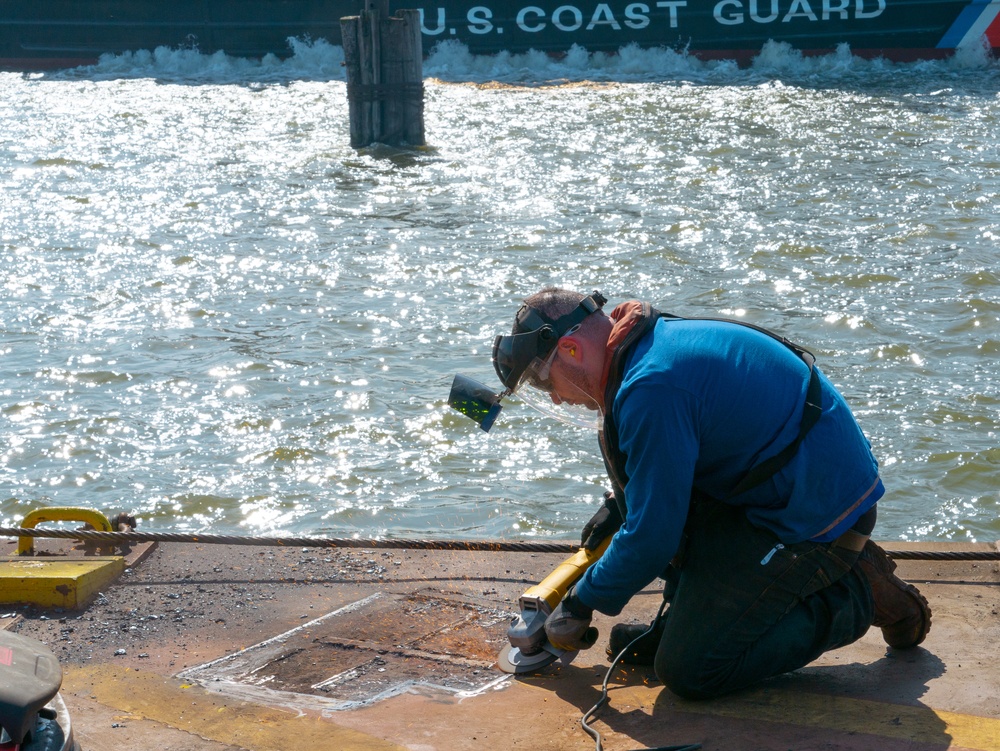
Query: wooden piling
<point>385,90</point>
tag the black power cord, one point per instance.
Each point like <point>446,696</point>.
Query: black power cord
<point>604,695</point>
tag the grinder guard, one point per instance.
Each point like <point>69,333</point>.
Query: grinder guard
<point>529,649</point>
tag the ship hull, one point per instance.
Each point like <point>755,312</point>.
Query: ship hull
<point>49,34</point>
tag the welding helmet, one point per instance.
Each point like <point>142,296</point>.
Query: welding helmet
<point>523,360</point>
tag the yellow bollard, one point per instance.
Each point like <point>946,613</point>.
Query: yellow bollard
<point>97,520</point>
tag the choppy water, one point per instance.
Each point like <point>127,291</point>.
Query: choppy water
<point>217,314</point>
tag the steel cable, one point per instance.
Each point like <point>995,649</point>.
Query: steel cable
<point>487,546</point>
<point>118,538</point>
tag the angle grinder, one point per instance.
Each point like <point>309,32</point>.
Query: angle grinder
<point>529,649</point>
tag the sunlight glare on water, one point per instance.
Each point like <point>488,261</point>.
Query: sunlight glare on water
<point>219,316</point>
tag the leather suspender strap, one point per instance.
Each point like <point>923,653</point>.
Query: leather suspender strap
<point>758,473</point>
<point>608,436</point>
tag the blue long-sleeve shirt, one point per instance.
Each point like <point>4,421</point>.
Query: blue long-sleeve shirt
<point>700,403</point>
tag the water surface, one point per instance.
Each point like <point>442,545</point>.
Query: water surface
<point>219,316</point>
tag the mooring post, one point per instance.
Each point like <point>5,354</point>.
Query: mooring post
<point>385,90</point>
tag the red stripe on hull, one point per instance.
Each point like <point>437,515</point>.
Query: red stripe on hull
<point>993,33</point>
<point>896,55</point>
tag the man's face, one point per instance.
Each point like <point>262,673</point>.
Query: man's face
<point>564,387</point>
<point>570,384</point>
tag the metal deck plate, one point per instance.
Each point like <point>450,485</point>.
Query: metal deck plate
<point>377,647</point>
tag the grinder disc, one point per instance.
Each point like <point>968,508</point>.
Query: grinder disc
<point>513,660</point>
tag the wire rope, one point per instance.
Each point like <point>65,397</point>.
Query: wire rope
<point>489,546</point>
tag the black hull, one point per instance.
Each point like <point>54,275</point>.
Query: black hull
<point>46,34</point>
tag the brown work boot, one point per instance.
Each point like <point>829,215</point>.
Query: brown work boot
<point>900,610</point>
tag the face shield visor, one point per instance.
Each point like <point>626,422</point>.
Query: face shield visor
<point>523,360</point>
<point>562,398</point>
<point>524,363</point>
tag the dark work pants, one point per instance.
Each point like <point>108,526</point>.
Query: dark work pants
<point>746,608</point>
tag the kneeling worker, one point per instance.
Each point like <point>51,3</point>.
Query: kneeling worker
<point>738,474</point>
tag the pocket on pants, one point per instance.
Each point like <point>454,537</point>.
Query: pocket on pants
<point>826,567</point>
<point>800,569</point>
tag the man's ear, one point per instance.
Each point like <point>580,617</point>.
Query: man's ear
<point>570,347</point>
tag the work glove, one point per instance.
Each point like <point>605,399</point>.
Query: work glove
<point>568,627</point>
<point>605,522</point>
